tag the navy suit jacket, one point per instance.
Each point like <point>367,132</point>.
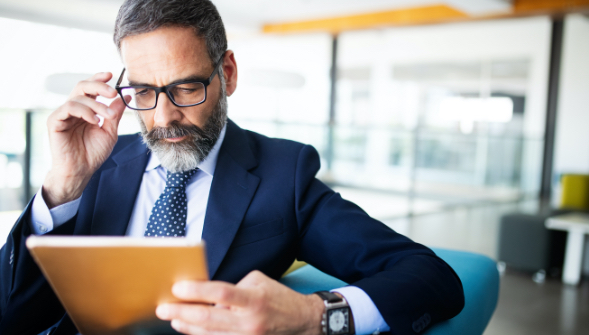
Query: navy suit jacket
<point>265,209</point>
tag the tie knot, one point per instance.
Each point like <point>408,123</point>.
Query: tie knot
<point>179,179</point>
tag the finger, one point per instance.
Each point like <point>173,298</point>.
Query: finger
<point>213,292</point>
<point>101,76</point>
<point>207,317</point>
<point>187,328</point>
<point>117,107</point>
<point>71,111</point>
<point>94,88</point>
<point>99,108</point>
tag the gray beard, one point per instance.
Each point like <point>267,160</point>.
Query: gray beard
<point>189,153</point>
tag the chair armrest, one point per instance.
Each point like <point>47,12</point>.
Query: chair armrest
<point>480,280</point>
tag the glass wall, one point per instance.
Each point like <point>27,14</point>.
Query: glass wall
<point>12,149</point>
<point>284,86</point>
<point>425,117</point>
<point>453,114</point>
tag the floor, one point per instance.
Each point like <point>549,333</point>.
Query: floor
<point>524,308</point>
<point>550,308</point>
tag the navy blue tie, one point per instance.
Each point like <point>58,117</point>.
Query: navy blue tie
<point>168,215</point>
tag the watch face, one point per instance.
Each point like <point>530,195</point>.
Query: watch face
<point>338,321</point>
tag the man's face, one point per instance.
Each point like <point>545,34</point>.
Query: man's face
<point>181,137</point>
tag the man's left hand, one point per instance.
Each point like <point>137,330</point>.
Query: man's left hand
<point>256,305</point>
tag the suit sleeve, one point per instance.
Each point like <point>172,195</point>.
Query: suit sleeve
<point>44,220</point>
<point>27,302</point>
<point>411,287</point>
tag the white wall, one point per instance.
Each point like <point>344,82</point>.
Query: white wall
<point>571,145</point>
<point>571,153</point>
<point>31,52</point>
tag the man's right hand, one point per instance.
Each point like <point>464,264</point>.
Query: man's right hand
<point>78,144</point>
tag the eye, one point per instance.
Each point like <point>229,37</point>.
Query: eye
<point>187,90</point>
<point>143,91</point>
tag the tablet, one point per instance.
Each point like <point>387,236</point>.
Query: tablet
<point>112,285</point>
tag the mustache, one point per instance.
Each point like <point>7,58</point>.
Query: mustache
<point>175,130</point>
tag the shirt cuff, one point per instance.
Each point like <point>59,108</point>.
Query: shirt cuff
<point>367,318</point>
<point>45,220</point>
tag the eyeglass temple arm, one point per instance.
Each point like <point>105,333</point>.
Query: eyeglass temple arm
<point>120,78</point>
<point>216,69</point>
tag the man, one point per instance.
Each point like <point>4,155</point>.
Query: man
<point>254,200</point>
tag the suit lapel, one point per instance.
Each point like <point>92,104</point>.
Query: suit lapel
<point>118,189</point>
<point>231,192</point>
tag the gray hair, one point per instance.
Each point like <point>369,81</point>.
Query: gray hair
<point>142,16</point>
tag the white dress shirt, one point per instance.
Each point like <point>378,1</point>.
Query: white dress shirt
<point>367,318</point>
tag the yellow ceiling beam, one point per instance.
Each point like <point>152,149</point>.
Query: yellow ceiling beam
<point>400,17</point>
<point>553,6</point>
<point>424,15</point>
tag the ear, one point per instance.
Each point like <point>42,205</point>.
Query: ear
<point>230,72</point>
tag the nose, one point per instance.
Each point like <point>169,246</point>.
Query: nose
<point>165,112</point>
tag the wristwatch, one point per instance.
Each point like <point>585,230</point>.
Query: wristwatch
<point>337,316</point>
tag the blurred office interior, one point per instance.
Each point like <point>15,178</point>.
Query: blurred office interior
<point>436,117</point>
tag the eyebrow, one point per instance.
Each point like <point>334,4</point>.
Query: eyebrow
<point>190,78</point>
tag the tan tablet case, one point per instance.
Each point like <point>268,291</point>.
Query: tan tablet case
<point>112,285</point>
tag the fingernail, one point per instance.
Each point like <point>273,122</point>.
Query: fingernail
<point>181,288</point>
<point>110,112</point>
<point>176,324</point>
<point>162,311</point>
<point>96,118</point>
<point>178,288</point>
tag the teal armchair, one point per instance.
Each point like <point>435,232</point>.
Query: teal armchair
<point>478,274</point>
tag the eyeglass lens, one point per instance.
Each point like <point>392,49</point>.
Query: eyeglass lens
<point>182,94</point>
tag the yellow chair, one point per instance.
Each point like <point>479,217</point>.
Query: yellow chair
<point>295,266</point>
<point>575,192</point>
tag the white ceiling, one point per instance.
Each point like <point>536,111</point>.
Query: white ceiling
<point>237,14</point>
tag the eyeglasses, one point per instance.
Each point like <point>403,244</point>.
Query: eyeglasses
<point>182,94</point>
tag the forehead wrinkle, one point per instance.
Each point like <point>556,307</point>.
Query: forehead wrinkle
<point>179,53</point>
<point>162,74</point>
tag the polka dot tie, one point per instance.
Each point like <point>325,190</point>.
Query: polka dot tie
<point>168,216</point>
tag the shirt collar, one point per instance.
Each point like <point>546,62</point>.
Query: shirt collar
<point>207,165</point>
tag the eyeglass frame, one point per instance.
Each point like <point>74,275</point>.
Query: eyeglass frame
<point>166,90</point>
